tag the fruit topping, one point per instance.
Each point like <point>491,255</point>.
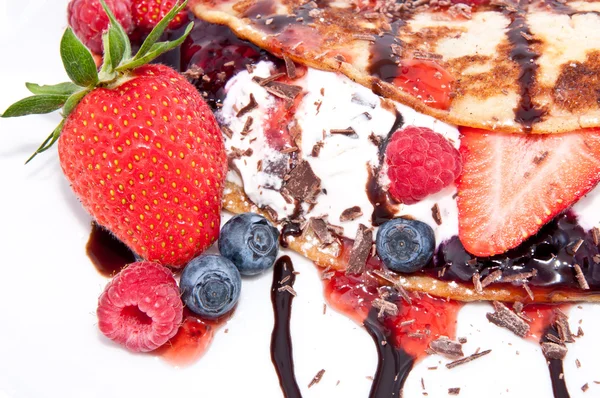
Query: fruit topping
<point>89,21</point>
<point>420,162</point>
<point>250,241</point>
<point>212,54</point>
<point>513,184</point>
<point>210,286</point>
<point>405,245</point>
<point>147,13</point>
<point>139,146</point>
<point>140,307</point>
<point>426,80</point>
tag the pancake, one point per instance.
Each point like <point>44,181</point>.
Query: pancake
<point>522,67</point>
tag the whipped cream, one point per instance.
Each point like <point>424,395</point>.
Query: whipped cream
<point>330,102</point>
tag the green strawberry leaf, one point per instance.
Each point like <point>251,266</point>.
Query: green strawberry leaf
<point>48,142</point>
<point>73,100</point>
<point>67,88</point>
<point>155,51</point>
<point>116,46</point>
<point>118,31</point>
<point>35,105</point>
<point>158,31</point>
<point>78,60</point>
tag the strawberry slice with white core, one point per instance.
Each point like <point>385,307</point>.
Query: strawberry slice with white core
<point>512,184</point>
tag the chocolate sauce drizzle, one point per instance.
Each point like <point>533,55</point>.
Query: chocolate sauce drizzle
<point>281,342</point>
<point>519,35</point>
<point>394,364</point>
<point>108,254</point>
<point>383,61</point>
<point>555,366</point>
<point>289,229</point>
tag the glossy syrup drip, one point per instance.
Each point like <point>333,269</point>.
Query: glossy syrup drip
<point>383,61</point>
<point>555,366</point>
<point>281,342</point>
<point>519,35</point>
<point>289,229</point>
<point>262,14</point>
<point>108,254</point>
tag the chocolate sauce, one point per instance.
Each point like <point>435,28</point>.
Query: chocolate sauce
<point>555,366</point>
<point>262,14</point>
<point>383,60</point>
<point>550,253</point>
<point>281,342</point>
<point>527,113</point>
<point>394,364</point>
<point>289,229</point>
<point>108,254</point>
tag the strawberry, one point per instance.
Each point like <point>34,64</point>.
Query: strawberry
<point>139,146</point>
<point>512,184</point>
<point>426,80</point>
<point>147,13</point>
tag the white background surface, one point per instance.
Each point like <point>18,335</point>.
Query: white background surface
<point>49,342</point>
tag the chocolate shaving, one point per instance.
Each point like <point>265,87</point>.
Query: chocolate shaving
<point>435,213</point>
<point>302,183</point>
<point>336,229</point>
<point>579,332</point>
<point>580,277</point>
<point>319,227</point>
<point>287,288</point>
<point>247,126</point>
<point>491,278</point>
<point>462,340</point>
<point>283,90</point>
<point>360,36</point>
<point>417,54</point>
<point>553,350</point>
<point>585,387</point>
<point>577,363</point>
<point>385,307</point>
<point>518,306</point>
<point>467,359</point>
<point>407,323</point>
<point>396,284</point>
<point>263,81</point>
<point>227,131</point>
<point>316,149</point>
<point>575,246</point>
<point>552,338</point>
<point>351,213</point>
<point>289,150</point>
<point>317,378</point>
<point>528,291</point>
<point>477,283</point>
<point>248,108</point>
<point>562,327</point>
<point>522,276</point>
<point>290,67</point>
<point>327,275</point>
<point>375,139</point>
<point>347,132</point>
<point>454,391</point>
<point>447,348</point>
<point>194,72</point>
<point>596,235</point>
<point>505,318</point>
<point>360,250</point>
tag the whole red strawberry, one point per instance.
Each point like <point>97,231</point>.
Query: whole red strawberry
<point>89,21</point>
<point>139,146</point>
<point>147,13</point>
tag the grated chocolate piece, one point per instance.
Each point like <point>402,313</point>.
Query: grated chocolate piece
<point>562,326</point>
<point>470,358</point>
<point>477,283</point>
<point>385,307</point>
<point>505,318</point>
<point>446,347</point>
<point>351,213</point>
<point>554,339</point>
<point>585,387</point>
<point>518,307</point>
<point>319,227</point>
<point>375,139</point>
<point>283,90</point>
<point>454,391</point>
<point>358,36</point>
<point>596,235</point>
<point>577,363</point>
<point>287,288</point>
<point>247,126</point>
<point>248,108</point>
<point>263,81</point>
<point>522,276</point>
<point>317,378</point>
<point>290,67</point>
<point>579,332</point>
<point>396,284</point>
<point>575,246</point>
<point>360,250</point>
<point>302,183</point>
<point>347,132</point>
<point>226,131</point>
<point>528,291</point>
<point>435,213</point>
<point>491,278</point>
<point>580,277</point>
<point>316,150</point>
<point>553,350</point>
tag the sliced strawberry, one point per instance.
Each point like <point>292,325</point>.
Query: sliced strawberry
<point>512,184</point>
<point>426,80</point>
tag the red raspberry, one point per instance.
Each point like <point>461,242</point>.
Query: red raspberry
<point>88,20</point>
<point>140,308</point>
<point>420,162</point>
<point>147,13</point>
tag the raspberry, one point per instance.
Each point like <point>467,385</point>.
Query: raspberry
<point>147,13</point>
<point>88,20</point>
<point>420,162</point>
<point>140,308</point>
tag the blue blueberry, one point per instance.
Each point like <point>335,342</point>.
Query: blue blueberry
<point>250,242</point>
<point>210,286</point>
<point>405,245</point>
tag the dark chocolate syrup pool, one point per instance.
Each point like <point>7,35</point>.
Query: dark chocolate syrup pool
<point>281,341</point>
<point>108,254</point>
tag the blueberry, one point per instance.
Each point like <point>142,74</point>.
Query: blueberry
<point>405,245</point>
<point>250,242</point>
<point>210,286</point>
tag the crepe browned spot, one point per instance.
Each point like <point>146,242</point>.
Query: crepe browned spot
<point>516,66</point>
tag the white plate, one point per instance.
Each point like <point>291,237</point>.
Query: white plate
<point>49,342</point>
